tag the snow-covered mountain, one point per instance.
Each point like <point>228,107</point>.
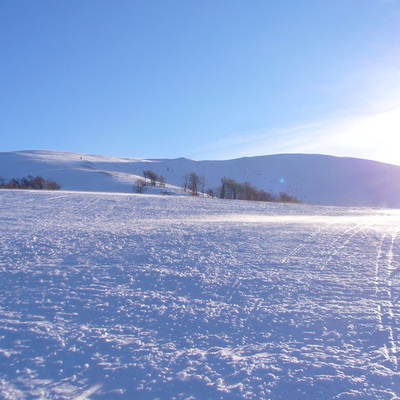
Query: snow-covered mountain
<point>317,179</point>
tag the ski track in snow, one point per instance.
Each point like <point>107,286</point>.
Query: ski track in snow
<point>143,297</point>
<point>388,295</point>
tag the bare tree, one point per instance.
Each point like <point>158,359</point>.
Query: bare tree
<point>152,176</point>
<point>210,193</point>
<point>202,184</point>
<point>145,176</point>
<point>52,185</point>
<point>185,181</point>
<point>194,181</point>
<point>140,185</point>
<point>161,180</point>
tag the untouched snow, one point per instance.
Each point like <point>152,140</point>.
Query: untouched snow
<point>142,297</point>
<point>315,179</point>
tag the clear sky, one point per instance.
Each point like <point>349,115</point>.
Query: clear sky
<point>204,79</point>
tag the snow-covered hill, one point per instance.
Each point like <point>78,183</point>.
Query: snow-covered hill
<point>317,179</point>
<point>122,297</point>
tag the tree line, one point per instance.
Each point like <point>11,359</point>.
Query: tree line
<point>230,189</point>
<point>29,182</point>
<point>150,178</point>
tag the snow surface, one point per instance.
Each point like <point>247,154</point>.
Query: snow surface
<point>142,297</point>
<point>316,179</point>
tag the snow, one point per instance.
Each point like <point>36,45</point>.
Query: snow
<point>315,179</point>
<point>118,296</point>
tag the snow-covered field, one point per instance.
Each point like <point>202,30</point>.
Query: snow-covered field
<point>108,296</point>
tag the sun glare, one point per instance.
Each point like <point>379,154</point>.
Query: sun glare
<point>374,137</point>
<point>378,136</point>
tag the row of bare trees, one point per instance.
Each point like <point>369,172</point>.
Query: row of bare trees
<point>153,178</point>
<point>150,178</point>
<point>29,182</point>
<point>230,189</point>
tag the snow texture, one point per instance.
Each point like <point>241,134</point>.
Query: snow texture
<point>315,179</point>
<point>107,296</point>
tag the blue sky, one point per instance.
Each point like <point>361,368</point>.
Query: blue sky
<point>209,79</point>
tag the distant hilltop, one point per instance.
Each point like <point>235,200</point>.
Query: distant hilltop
<point>311,178</point>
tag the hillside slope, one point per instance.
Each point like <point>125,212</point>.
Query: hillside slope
<point>317,179</point>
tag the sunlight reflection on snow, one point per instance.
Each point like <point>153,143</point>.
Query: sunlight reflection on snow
<point>384,218</point>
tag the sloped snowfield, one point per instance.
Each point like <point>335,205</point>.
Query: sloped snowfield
<point>140,297</point>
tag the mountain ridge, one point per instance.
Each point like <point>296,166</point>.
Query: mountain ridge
<point>312,178</point>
